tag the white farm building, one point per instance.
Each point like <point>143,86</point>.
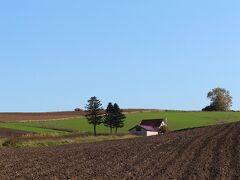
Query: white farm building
<point>148,127</point>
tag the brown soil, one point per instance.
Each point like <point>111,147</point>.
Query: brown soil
<point>6,117</point>
<point>4,132</point>
<point>203,153</point>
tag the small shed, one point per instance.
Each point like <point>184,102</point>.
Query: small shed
<point>148,127</point>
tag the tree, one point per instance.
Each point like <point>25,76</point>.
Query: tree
<point>221,100</point>
<point>163,129</point>
<point>208,108</point>
<point>109,117</point>
<point>119,117</point>
<point>94,112</point>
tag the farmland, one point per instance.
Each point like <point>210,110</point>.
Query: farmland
<point>176,121</point>
<point>8,117</point>
<point>202,153</point>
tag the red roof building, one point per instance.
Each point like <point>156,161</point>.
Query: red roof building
<point>148,127</point>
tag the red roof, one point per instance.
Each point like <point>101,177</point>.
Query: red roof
<point>156,123</point>
<point>148,128</point>
<point>150,124</point>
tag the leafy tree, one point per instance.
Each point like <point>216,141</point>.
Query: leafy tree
<point>94,112</point>
<point>208,108</point>
<point>119,117</point>
<point>221,100</point>
<point>109,117</point>
<point>163,129</point>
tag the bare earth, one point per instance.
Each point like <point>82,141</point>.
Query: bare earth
<point>203,153</point>
<point>6,117</point>
<point>31,116</point>
<point>4,132</point>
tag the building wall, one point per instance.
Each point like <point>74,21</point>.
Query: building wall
<point>151,133</point>
<point>143,132</point>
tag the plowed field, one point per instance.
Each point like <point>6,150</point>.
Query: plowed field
<point>6,117</point>
<point>203,153</point>
<point>31,116</point>
<point>4,132</point>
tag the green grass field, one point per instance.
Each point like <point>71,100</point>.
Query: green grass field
<point>25,127</point>
<point>176,121</point>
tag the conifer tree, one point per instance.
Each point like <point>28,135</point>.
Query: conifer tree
<point>94,113</point>
<point>109,117</point>
<point>119,117</point>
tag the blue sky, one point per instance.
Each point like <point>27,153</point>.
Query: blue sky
<point>55,54</point>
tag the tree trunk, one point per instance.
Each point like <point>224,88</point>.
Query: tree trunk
<point>111,131</point>
<point>94,127</point>
<point>116,131</point>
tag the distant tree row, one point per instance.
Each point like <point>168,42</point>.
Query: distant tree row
<point>221,100</point>
<point>112,117</point>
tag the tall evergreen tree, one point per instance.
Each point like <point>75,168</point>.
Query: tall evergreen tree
<point>119,117</point>
<point>109,117</point>
<point>94,112</point>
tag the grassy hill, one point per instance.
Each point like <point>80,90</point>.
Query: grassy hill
<point>176,121</point>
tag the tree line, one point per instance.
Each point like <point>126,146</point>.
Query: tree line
<point>112,117</point>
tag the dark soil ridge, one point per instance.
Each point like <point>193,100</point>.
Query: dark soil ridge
<point>8,117</point>
<point>5,132</point>
<point>203,153</point>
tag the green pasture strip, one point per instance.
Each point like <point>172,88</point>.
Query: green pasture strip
<point>24,127</point>
<point>16,143</point>
<point>176,121</point>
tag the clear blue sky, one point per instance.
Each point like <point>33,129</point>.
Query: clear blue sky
<point>55,54</point>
